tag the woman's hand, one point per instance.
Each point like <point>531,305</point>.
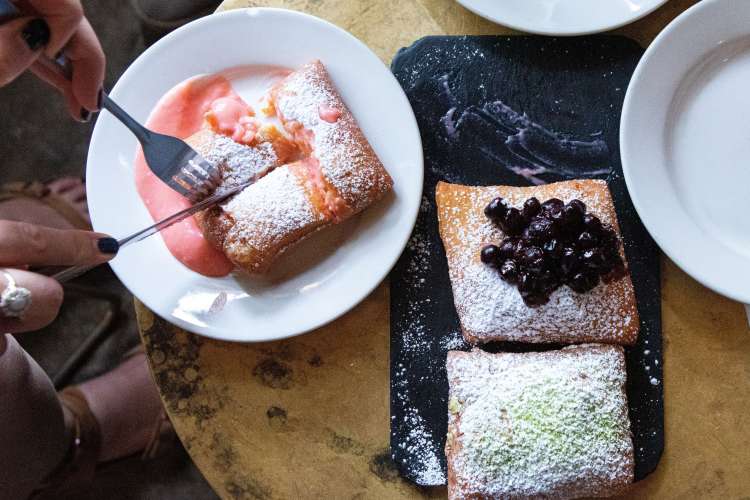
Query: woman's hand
<point>45,28</point>
<point>23,245</point>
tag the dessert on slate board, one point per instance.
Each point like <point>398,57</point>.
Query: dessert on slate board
<point>548,424</point>
<point>537,264</point>
<point>336,175</point>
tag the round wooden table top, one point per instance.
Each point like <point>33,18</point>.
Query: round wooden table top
<point>309,417</point>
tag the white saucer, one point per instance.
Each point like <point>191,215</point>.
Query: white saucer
<point>562,17</point>
<point>335,269</point>
<point>685,143</point>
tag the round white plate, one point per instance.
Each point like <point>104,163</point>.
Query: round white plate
<point>685,143</point>
<point>336,268</point>
<point>562,17</point>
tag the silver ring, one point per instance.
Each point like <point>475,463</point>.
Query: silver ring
<point>14,300</point>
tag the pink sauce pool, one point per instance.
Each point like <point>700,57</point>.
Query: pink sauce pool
<point>180,113</point>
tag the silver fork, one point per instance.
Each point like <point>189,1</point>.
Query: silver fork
<point>169,158</point>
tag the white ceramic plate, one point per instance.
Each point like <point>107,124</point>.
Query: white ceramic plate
<point>562,17</point>
<point>685,143</point>
<point>334,270</point>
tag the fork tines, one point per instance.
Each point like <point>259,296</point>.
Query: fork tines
<point>198,178</point>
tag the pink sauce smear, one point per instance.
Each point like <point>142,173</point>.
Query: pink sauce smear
<point>180,113</point>
<point>232,117</point>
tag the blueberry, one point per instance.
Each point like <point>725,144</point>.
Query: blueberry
<point>583,282</point>
<point>586,240</point>
<point>532,253</point>
<point>572,217</point>
<point>553,204</point>
<point>527,284</point>
<point>508,248</point>
<point>521,247</point>
<point>592,223</point>
<point>570,262</point>
<point>490,255</point>
<point>540,230</point>
<point>509,271</point>
<point>513,222</point>
<point>553,248</point>
<point>531,207</point>
<point>496,209</point>
<point>535,299</point>
<point>548,281</point>
<point>578,205</point>
<point>593,259</point>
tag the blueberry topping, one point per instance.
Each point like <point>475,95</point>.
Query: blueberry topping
<point>572,217</point>
<point>496,209</point>
<point>553,204</point>
<point>583,282</point>
<point>508,248</point>
<point>509,271</point>
<point>592,223</point>
<point>553,249</point>
<point>531,207</point>
<point>593,259</point>
<point>534,300</point>
<point>578,205</point>
<point>586,240</point>
<point>513,223</point>
<point>570,262</point>
<point>490,255</point>
<point>540,230</point>
<point>552,244</point>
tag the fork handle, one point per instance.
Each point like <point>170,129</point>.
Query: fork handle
<point>141,133</point>
<point>61,65</point>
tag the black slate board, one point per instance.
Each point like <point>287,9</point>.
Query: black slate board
<point>557,91</point>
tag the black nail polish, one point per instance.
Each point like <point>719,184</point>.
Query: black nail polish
<point>108,246</point>
<point>36,34</point>
<point>85,115</point>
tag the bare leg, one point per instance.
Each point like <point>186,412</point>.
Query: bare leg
<point>124,401</point>
<point>126,404</point>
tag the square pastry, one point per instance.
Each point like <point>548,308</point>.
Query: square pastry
<point>492,308</point>
<point>538,425</point>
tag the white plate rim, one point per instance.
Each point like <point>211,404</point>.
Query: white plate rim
<point>351,300</point>
<point>677,251</point>
<point>550,31</point>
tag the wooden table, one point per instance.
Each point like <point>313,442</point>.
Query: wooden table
<point>309,417</point>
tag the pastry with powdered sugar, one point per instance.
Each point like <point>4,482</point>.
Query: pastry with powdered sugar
<point>548,424</point>
<point>533,297</point>
<point>330,174</point>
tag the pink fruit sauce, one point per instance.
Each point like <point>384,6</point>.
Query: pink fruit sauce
<point>180,113</point>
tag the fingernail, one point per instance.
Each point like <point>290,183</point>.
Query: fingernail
<point>85,115</point>
<point>108,246</point>
<point>36,34</point>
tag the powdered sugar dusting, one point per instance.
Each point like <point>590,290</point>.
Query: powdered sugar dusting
<point>491,309</point>
<point>346,158</point>
<point>549,424</point>
<point>239,163</point>
<point>268,211</point>
<point>419,444</point>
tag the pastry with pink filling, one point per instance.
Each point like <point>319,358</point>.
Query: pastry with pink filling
<point>328,171</point>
